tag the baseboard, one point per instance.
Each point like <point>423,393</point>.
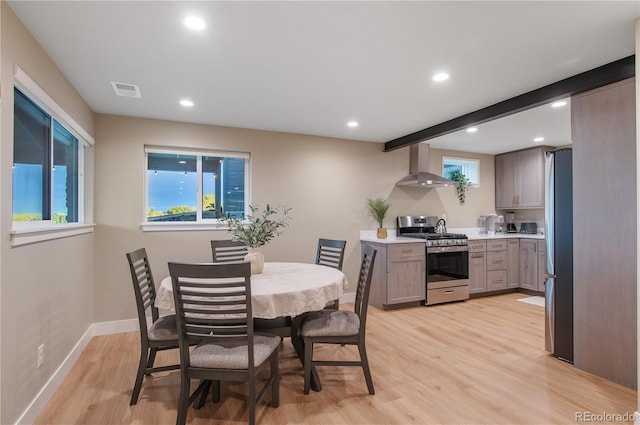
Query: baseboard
<point>41,399</point>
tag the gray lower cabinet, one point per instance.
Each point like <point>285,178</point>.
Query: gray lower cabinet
<point>496,264</point>
<point>399,274</point>
<point>513,263</point>
<point>477,266</point>
<point>529,264</point>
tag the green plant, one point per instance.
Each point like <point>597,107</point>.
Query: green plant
<point>378,209</point>
<point>256,229</point>
<point>462,184</point>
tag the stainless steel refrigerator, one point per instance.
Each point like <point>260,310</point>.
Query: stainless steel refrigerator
<point>558,225</point>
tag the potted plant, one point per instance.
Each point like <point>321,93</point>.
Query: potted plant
<point>257,229</point>
<point>378,209</point>
<point>462,184</point>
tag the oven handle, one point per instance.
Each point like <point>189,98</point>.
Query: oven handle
<point>437,249</point>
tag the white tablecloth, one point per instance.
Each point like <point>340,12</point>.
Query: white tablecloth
<point>282,289</point>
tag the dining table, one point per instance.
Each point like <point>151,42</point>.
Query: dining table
<point>283,289</point>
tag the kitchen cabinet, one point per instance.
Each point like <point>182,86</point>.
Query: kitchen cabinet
<point>520,179</point>
<point>529,264</point>
<point>399,274</point>
<point>542,265</point>
<point>477,266</point>
<point>496,264</point>
<point>513,263</point>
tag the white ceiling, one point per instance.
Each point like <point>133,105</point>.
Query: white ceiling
<point>310,67</point>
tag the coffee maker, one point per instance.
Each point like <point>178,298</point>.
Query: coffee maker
<point>511,225</point>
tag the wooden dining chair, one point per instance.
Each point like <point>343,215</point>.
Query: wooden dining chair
<point>228,251</point>
<point>213,310</point>
<point>340,327</point>
<point>331,253</point>
<point>162,334</point>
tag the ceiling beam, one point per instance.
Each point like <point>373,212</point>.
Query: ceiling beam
<point>580,83</point>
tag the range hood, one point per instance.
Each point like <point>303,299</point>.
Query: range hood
<point>419,175</point>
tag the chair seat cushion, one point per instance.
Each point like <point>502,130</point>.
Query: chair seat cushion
<point>330,323</point>
<point>164,329</point>
<point>233,354</point>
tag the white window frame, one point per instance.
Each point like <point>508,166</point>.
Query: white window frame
<point>27,232</point>
<point>200,223</point>
<point>464,162</point>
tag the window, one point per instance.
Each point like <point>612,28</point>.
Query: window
<point>196,187</point>
<point>47,166</point>
<point>468,167</point>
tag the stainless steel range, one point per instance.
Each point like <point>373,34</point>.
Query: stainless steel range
<point>447,258</point>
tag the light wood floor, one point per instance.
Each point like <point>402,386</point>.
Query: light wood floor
<point>477,362</point>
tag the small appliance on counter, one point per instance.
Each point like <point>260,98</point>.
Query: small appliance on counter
<point>530,228</point>
<point>511,225</point>
<point>499,226</point>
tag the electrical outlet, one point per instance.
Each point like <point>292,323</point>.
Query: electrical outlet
<point>40,355</point>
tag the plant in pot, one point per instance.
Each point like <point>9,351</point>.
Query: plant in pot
<point>462,184</point>
<point>257,229</point>
<point>378,209</point>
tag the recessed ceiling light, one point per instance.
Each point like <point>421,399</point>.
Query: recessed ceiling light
<point>352,124</point>
<point>440,76</point>
<point>195,23</point>
<point>559,104</point>
<point>472,129</point>
<point>186,102</point>
<point>538,139</point>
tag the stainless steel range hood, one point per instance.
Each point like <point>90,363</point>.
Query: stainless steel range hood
<point>419,175</point>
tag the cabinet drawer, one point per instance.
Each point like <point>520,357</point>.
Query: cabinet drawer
<point>444,295</point>
<point>496,245</point>
<point>496,279</point>
<point>476,246</point>
<point>496,260</point>
<point>406,250</point>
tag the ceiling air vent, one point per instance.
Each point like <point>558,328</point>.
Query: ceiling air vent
<point>125,89</point>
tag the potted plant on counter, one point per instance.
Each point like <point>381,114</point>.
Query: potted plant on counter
<point>378,210</point>
<point>257,229</point>
<point>462,184</point>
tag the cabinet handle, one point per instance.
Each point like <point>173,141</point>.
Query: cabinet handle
<point>498,281</point>
<point>450,291</point>
<point>497,261</point>
<point>477,255</point>
<point>407,251</point>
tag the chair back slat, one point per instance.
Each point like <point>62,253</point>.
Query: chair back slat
<point>331,253</point>
<point>364,283</point>
<point>143,287</point>
<point>228,251</point>
<point>213,302</point>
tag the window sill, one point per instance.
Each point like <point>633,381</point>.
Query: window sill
<point>39,234</point>
<point>181,226</point>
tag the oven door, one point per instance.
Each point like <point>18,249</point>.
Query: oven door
<point>447,264</point>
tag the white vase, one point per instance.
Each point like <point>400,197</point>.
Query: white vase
<point>256,258</point>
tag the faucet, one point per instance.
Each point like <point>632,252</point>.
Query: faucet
<point>441,226</point>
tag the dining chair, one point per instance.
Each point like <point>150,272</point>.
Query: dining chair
<point>213,310</point>
<point>228,251</point>
<point>331,253</point>
<point>340,327</point>
<point>162,333</point>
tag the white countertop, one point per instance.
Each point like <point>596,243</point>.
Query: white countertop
<point>471,232</point>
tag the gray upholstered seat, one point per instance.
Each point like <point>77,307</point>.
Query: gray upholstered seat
<point>233,355</point>
<point>331,323</point>
<point>164,329</point>
<point>163,332</point>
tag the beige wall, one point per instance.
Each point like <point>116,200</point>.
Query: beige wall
<point>325,181</point>
<point>46,289</point>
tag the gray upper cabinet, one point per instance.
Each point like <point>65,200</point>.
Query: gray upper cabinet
<point>520,179</point>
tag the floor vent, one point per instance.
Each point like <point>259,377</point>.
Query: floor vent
<point>125,89</point>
